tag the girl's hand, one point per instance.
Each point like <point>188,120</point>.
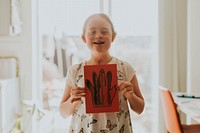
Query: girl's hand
<point>126,87</point>
<point>76,93</point>
<point>131,91</point>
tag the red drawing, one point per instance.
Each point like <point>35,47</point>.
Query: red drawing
<point>101,91</point>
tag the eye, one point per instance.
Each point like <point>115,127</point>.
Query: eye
<point>92,32</point>
<point>105,32</point>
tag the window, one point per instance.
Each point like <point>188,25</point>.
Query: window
<point>60,28</point>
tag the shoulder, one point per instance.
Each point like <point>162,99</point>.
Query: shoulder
<point>122,63</point>
<point>124,68</point>
<point>72,74</point>
<point>76,67</point>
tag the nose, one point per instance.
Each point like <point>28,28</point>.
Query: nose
<point>98,36</point>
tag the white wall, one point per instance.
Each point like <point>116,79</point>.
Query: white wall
<point>21,46</point>
<point>26,48</point>
<point>4,23</point>
<point>193,71</point>
<point>172,47</point>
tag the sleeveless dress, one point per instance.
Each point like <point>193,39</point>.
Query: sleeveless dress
<point>114,122</point>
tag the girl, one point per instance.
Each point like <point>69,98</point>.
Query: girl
<point>98,35</point>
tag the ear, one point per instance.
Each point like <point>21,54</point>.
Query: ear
<point>113,37</point>
<point>83,38</point>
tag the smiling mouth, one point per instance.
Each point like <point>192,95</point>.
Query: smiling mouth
<point>98,42</point>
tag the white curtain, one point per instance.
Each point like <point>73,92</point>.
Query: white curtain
<point>172,47</point>
<point>173,44</point>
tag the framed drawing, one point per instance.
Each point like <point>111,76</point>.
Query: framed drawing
<point>101,88</point>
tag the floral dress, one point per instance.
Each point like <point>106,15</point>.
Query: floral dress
<point>114,122</point>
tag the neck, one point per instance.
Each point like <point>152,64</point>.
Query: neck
<point>99,60</point>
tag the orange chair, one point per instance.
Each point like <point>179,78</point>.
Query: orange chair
<point>171,116</point>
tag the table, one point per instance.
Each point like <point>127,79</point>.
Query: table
<point>189,106</point>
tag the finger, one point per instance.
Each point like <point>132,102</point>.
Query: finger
<point>126,87</point>
<point>129,88</point>
<point>75,100</point>
<point>124,84</point>
<point>126,94</point>
<point>76,90</point>
<point>79,95</point>
<point>127,91</point>
<point>72,91</point>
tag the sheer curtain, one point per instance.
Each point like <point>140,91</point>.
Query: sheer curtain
<point>172,46</point>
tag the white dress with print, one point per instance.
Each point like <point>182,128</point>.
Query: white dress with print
<point>115,122</point>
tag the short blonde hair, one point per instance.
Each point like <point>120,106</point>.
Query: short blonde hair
<point>101,15</point>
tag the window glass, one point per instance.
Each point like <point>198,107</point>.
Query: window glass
<point>132,17</point>
<point>65,15</point>
<point>133,20</point>
<point>60,27</point>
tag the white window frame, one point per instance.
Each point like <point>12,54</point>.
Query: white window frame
<point>105,7</point>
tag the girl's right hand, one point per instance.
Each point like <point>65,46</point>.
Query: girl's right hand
<point>76,93</point>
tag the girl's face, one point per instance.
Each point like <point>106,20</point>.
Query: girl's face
<point>98,35</point>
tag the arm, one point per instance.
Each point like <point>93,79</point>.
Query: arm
<point>70,100</point>
<point>132,92</point>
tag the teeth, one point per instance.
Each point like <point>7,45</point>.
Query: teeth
<point>98,42</point>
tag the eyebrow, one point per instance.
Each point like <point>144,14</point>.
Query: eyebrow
<point>105,28</point>
<point>101,28</point>
<point>92,28</point>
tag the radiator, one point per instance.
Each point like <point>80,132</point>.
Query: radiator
<point>9,93</point>
<point>8,67</point>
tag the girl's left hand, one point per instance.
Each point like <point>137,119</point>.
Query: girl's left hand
<point>126,87</point>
